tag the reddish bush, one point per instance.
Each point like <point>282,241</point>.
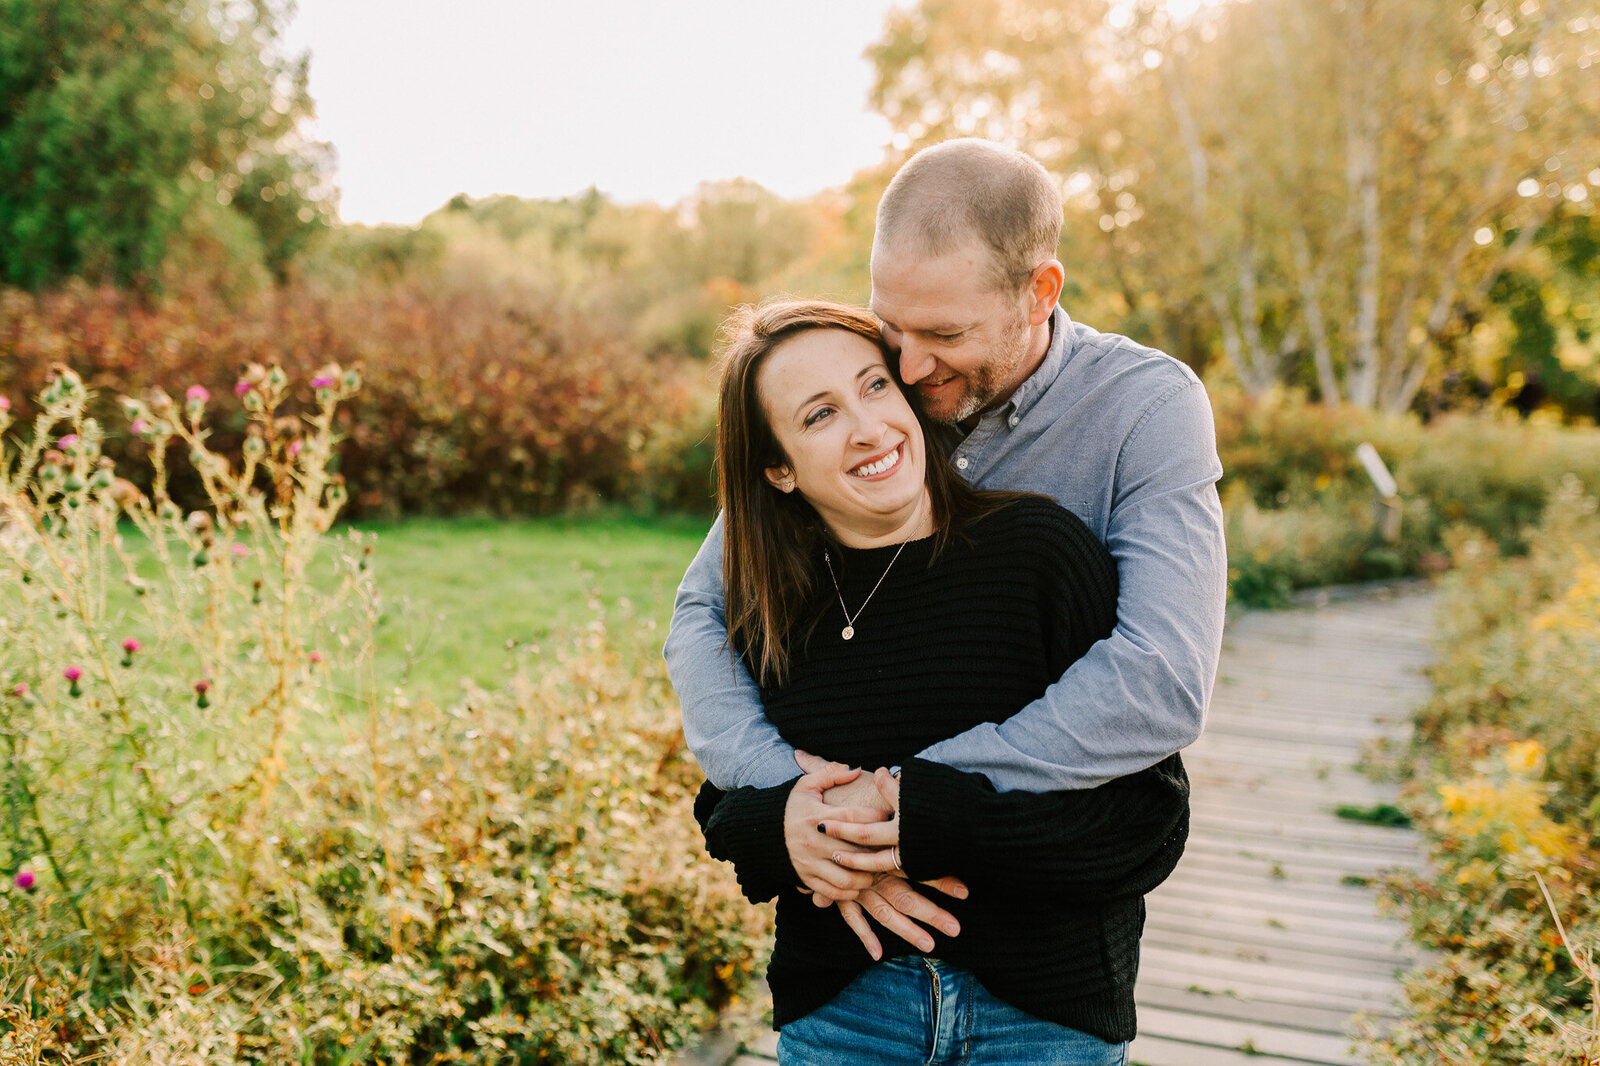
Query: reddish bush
<point>472,401</point>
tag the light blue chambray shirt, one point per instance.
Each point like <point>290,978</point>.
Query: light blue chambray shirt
<point>1121,435</point>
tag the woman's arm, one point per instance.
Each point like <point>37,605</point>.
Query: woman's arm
<point>1119,839</point>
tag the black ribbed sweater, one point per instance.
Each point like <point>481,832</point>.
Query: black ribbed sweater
<point>1057,879</point>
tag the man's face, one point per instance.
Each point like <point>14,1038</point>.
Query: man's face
<point>962,347</point>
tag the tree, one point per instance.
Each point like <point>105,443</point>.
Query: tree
<point>122,118</point>
<point>1336,184</point>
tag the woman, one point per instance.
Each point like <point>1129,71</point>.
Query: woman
<point>883,605</point>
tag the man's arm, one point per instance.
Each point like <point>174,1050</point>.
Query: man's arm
<point>723,720</point>
<point>1141,694</point>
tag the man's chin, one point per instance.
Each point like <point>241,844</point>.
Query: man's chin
<point>947,405</point>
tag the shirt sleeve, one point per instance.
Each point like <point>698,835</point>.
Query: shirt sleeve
<point>1080,845</point>
<point>1141,694</point>
<point>724,723</point>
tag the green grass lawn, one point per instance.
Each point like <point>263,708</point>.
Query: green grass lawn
<point>461,593</point>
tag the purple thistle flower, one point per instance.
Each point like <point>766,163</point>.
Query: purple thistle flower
<point>138,427</point>
<point>72,673</point>
<point>198,394</point>
<point>131,645</point>
<point>5,403</point>
<point>322,381</point>
<point>19,689</point>
<point>26,879</point>
<point>68,441</point>
<point>241,387</point>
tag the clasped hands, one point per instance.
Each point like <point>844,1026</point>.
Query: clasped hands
<point>842,829</point>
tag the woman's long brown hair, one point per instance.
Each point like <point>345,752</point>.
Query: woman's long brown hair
<point>771,538</point>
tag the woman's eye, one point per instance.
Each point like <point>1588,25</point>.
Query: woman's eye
<point>877,384</point>
<point>818,415</point>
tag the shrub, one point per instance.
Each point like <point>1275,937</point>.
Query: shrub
<point>476,400</point>
<point>1300,510</point>
<point>226,839</point>
<point>1507,765</point>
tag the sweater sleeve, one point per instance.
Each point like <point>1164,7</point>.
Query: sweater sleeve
<point>745,827</point>
<point>1091,845</point>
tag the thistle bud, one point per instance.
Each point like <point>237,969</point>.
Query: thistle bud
<point>201,690</point>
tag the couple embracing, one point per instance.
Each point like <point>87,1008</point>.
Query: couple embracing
<point>961,609</point>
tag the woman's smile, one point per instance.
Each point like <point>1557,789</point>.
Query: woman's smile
<point>883,464</point>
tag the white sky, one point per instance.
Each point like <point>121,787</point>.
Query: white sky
<point>645,99</point>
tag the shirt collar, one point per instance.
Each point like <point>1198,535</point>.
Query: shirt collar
<point>1034,386</point>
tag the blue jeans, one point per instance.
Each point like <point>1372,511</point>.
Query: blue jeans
<point>912,1011</point>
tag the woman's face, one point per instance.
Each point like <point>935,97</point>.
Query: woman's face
<point>854,447</point>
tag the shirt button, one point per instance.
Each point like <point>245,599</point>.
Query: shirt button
<point>1014,420</point>
<point>961,462</point>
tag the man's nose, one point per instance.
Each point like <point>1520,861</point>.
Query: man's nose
<point>916,362</point>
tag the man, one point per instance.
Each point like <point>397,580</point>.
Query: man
<point>966,284</point>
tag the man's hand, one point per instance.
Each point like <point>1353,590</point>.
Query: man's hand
<point>894,904</point>
<point>890,899</point>
<point>813,852</point>
<point>876,845</point>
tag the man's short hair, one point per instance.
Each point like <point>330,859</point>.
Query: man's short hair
<point>950,192</point>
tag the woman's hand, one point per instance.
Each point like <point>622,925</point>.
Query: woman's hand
<point>876,845</point>
<point>812,852</point>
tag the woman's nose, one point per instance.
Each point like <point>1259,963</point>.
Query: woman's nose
<point>867,428</point>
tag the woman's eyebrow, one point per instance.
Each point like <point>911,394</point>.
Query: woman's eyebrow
<point>863,372</point>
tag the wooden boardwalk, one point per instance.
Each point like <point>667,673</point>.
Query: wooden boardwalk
<point>1265,945</point>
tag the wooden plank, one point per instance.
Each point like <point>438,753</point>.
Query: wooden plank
<point>1251,1037</point>
<point>1315,1016</point>
<point>1158,1051</point>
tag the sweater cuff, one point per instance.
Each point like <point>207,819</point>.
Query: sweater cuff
<point>937,818</point>
<point>749,822</point>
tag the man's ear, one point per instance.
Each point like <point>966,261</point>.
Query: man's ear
<point>781,478</point>
<point>1044,291</point>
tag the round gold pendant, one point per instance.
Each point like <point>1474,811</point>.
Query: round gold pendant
<point>848,632</point>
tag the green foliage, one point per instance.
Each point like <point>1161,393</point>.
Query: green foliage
<point>1300,511</point>
<point>121,115</point>
<point>1384,814</point>
<point>209,857</point>
<point>1507,787</point>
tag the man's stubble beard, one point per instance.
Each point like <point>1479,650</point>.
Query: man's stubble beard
<point>989,380</point>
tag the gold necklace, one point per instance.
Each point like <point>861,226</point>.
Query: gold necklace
<point>849,629</point>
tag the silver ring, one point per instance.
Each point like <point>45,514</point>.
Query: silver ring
<point>895,855</point>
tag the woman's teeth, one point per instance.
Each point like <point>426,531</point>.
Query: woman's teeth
<point>878,467</point>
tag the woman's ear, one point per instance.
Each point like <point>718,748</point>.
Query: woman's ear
<point>781,478</point>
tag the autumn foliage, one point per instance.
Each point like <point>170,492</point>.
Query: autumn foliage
<point>474,401</point>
